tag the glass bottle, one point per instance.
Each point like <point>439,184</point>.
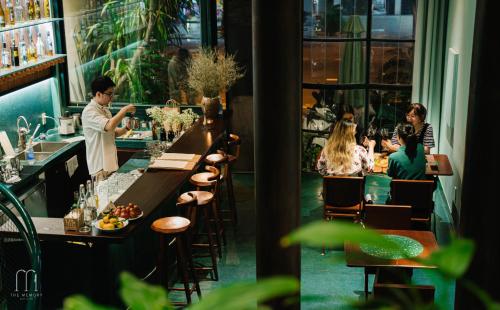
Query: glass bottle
<point>5,55</point>
<point>37,9</point>
<point>31,47</point>
<point>46,8</point>
<point>50,45</point>
<point>14,53</point>
<point>23,53</point>
<point>81,197</point>
<point>9,12</point>
<point>31,9</point>
<point>2,16</point>
<point>82,203</point>
<point>40,47</point>
<point>19,12</point>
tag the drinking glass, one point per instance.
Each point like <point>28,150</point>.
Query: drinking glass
<point>384,133</point>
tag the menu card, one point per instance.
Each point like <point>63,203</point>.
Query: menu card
<point>177,156</point>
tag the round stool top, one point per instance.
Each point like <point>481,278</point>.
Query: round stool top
<point>215,158</point>
<point>202,179</point>
<point>203,197</point>
<point>170,225</point>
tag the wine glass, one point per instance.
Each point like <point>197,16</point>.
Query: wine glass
<point>384,135</point>
<point>371,132</point>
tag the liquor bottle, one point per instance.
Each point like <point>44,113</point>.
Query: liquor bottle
<point>19,12</point>
<point>40,47</point>
<point>46,8</point>
<point>5,55</point>
<point>31,9</point>
<point>2,17</point>
<point>50,45</point>
<point>37,9</point>
<point>9,12</point>
<point>23,53</point>
<point>14,53</point>
<point>31,48</point>
<point>81,197</point>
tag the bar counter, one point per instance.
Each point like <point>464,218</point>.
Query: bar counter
<point>150,191</point>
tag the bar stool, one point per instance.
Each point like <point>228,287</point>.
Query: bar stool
<point>210,181</point>
<point>225,160</point>
<point>176,227</point>
<point>204,202</point>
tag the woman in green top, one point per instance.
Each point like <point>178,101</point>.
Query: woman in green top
<point>408,163</point>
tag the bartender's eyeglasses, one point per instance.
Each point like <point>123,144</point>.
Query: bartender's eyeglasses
<point>110,95</point>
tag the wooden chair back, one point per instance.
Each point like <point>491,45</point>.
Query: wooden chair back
<point>343,191</point>
<point>404,295</point>
<point>387,217</point>
<point>416,193</point>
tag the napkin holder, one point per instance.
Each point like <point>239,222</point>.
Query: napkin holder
<point>73,220</point>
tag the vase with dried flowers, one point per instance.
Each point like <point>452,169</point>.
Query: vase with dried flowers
<point>210,73</point>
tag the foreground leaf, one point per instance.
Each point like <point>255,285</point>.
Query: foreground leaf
<point>453,260</point>
<point>139,295</point>
<point>247,295</point>
<point>77,302</point>
<point>332,234</point>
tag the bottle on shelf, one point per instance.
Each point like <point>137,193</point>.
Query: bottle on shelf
<point>5,54</point>
<point>2,16</point>
<point>91,200</point>
<point>23,53</point>
<point>9,12</point>
<point>31,47</point>
<point>19,12</point>
<point>31,9</point>
<point>40,47</point>
<point>37,9</point>
<point>46,8</point>
<point>50,45</point>
<point>14,53</point>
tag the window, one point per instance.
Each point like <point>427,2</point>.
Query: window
<point>356,52</point>
<point>122,40</point>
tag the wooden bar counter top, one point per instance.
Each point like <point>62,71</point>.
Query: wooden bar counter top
<point>150,191</point>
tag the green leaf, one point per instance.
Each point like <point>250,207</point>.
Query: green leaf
<point>139,295</point>
<point>335,233</point>
<point>247,295</point>
<point>77,302</point>
<point>452,260</point>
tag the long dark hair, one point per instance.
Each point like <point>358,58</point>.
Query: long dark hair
<point>406,132</point>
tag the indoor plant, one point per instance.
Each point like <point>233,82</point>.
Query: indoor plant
<point>211,73</point>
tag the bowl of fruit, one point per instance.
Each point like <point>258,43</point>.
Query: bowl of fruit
<point>110,223</point>
<point>130,211</point>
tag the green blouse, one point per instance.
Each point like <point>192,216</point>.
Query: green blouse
<point>401,167</point>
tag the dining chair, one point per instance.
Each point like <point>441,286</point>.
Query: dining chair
<point>419,195</point>
<point>402,295</point>
<point>385,217</point>
<point>343,198</point>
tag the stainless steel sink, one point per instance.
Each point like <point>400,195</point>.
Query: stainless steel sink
<point>42,150</point>
<point>48,147</point>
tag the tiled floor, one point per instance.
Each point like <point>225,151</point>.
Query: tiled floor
<point>326,282</point>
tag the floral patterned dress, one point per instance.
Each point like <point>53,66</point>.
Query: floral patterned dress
<point>361,162</point>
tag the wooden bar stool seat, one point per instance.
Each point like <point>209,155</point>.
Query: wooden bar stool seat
<point>203,197</point>
<point>176,227</point>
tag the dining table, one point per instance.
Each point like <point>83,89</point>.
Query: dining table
<point>437,164</point>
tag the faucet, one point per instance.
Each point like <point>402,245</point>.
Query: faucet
<point>22,132</point>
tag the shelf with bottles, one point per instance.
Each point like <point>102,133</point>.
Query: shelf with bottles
<point>15,14</point>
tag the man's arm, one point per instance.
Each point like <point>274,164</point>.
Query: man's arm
<point>113,122</point>
<point>121,131</point>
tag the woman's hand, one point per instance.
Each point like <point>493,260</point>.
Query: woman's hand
<point>386,144</point>
<point>369,143</point>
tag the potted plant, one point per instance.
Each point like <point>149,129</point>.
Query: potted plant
<point>210,73</point>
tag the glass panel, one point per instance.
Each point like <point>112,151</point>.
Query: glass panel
<point>332,18</point>
<point>334,62</point>
<point>388,108</point>
<point>392,63</point>
<point>220,23</point>
<point>394,19</point>
<point>121,40</point>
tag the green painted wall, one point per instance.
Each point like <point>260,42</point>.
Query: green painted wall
<point>30,102</point>
<point>452,127</point>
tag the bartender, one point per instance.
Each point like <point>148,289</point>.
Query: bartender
<point>100,128</point>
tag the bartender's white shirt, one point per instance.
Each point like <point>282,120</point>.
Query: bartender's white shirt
<point>100,144</point>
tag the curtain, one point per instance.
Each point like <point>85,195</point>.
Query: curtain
<point>428,63</point>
